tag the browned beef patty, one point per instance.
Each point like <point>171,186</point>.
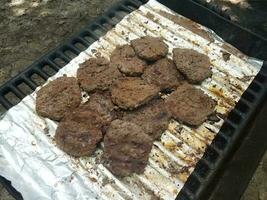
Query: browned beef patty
<point>150,48</point>
<point>190,105</point>
<point>57,97</point>
<point>97,74</point>
<point>126,148</point>
<point>152,118</point>
<point>193,65</point>
<point>124,58</point>
<point>164,74</point>
<point>81,129</point>
<point>102,104</point>
<point>98,112</point>
<point>102,100</point>
<point>130,93</point>
<point>77,138</point>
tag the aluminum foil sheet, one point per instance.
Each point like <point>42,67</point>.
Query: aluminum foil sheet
<point>39,170</point>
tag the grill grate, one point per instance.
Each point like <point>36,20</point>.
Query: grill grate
<point>221,147</point>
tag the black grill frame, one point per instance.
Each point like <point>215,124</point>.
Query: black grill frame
<point>232,133</point>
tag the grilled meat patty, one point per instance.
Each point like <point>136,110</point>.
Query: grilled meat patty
<point>130,93</point>
<point>150,48</point>
<point>77,138</point>
<point>193,65</point>
<point>98,112</point>
<point>57,97</point>
<point>126,147</point>
<point>97,74</point>
<point>190,105</point>
<point>125,59</point>
<point>81,129</point>
<point>152,118</point>
<point>164,74</point>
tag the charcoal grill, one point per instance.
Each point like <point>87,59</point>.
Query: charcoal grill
<point>224,170</point>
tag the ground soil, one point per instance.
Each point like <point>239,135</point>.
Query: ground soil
<point>29,28</point>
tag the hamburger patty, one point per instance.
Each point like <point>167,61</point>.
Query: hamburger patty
<point>164,74</point>
<point>153,118</point>
<point>77,138</point>
<point>126,147</point>
<point>190,105</point>
<point>80,131</point>
<point>97,112</point>
<point>57,97</point>
<point>124,58</point>
<point>150,48</point>
<point>130,93</point>
<point>193,65</point>
<point>97,74</point>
